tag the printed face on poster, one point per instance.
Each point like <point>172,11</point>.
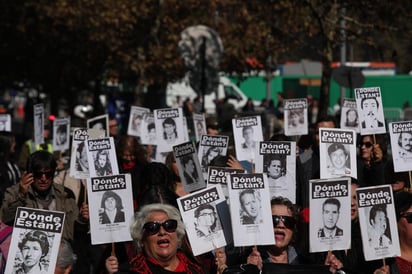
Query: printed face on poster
<point>111,208</point>
<point>349,118</point>
<point>79,164</point>
<point>401,144</point>
<point>35,241</point>
<point>378,222</point>
<point>148,134</point>
<point>250,209</point>
<point>99,123</point>
<point>203,220</point>
<point>169,128</point>
<point>210,147</point>
<point>337,153</point>
<point>199,123</point>
<point>38,116</point>
<point>332,198</point>
<point>61,134</point>
<point>136,118</point>
<point>189,167</point>
<point>370,110</point>
<point>296,117</point>
<point>247,132</point>
<point>277,160</point>
<point>101,156</point>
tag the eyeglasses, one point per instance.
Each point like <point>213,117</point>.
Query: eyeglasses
<point>39,174</point>
<point>408,217</point>
<point>367,144</point>
<point>154,227</point>
<point>288,221</point>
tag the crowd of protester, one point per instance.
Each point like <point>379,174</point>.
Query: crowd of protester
<point>40,178</point>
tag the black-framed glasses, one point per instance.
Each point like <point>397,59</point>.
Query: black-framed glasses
<point>288,221</point>
<point>154,227</point>
<point>367,144</point>
<point>39,174</point>
<point>407,216</point>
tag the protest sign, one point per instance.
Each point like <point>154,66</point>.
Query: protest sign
<point>199,123</point>
<point>136,118</point>
<point>278,161</point>
<point>218,176</point>
<point>247,132</point>
<point>101,155</point>
<point>349,118</point>
<point>401,144</point>
<point>111,208</point>
<point>378,222</point>
<point>99,124</point>
<point>296,117</point>
<point>250,209</point>
<point>148,132</point>
<point>370,110</point>
<point>38,123</point>
<point>170,129</point>
<point>337,149</point>
<point>189,167</point>
<point>203,213</point>
<point>35,231</point>
<point>5,122</point>
<point>210,147</point>
<point>332,198</point>
<point>79,165</point>
<point>61,134</point>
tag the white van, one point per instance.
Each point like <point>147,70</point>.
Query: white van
<point>226,89</point>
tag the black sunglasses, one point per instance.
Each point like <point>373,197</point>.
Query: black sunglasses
<point>288,221</point>
<point>367,144</point>
<point>153,227</point>
<point>38,174</point>
<point>408,217</point>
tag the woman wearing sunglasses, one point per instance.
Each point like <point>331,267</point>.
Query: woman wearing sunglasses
<point>158,232</point>
<point>372,160</point>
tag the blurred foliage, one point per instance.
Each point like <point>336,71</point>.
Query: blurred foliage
<point>64,44</point>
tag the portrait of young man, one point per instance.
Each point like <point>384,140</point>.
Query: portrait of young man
<point>330,217</point>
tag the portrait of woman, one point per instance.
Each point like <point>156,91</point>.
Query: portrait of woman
<point>351,118</point>
<point>102,163</point>
<point>34,247</point>
<point>113,208</point>
<point>210,154</point>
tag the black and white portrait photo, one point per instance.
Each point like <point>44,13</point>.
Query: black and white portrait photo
<point>281,182</point>
<point>190,173</point>
<point>379,230</point>
<point>33,255</point>
<point>250,207</point>
<point>405,146</point>
<point>169,130</point>
<point>206,220</point>
<point>339,160</point>
<point>102,163</point>
<point>112,208</point>
<point>330,216</point>
<point>370,107</point>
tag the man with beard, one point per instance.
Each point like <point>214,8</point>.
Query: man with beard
<point>370,107</point>
<point>405,146</point>
<point>36,189</point>
<point>330,216</point>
